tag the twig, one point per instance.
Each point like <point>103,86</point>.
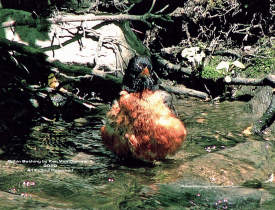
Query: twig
<point>44,91</point>
<point>71,78</point>
<point>185,26</point>
<point>224,12</point>
<point>152,6</point>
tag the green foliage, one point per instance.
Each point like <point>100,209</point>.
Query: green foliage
<point>257,67</point>
<point>219,68</point>
<point>129,198</point>
<point>135,1</point>
<point>255,183</point>
<point>133,41</point>
<point>209,70</point>
<point>264,62</point>
<point>28,29</point>
<point>260,67</point>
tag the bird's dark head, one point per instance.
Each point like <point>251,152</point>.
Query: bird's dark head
<point>138,75</point>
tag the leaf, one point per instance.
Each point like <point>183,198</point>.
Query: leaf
<point>200,120</point>
<point>247,131</point>
<point>52,81</point>
<point>238,64</point>
<point>223,65</point>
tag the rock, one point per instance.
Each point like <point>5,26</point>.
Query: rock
<point>204,196</point>
<point>110,50</point>
<point>99,44</point>
<point>230,167</point>
<point>217,180</point>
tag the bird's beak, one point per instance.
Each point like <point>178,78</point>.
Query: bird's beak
<point>145,72</point>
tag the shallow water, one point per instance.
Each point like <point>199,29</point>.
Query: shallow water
<point>64,165</point>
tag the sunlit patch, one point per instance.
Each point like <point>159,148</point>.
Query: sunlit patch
<point>164,121</point>
<point>200,120</point>
<point>11,34</point>
<point>13,190</point>
<point>210,149</point>
<point>247,131</point>
<point>26,195</point>
<point>111,180</point>
<point>222,204</point>
<point>133,140</point>
<point>124,93</point>
<point>28,183</point>
<point>207,149</point>
<point>270,179</point>
<point>212,179</point>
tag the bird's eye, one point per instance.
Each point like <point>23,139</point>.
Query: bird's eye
<point>139,66</point>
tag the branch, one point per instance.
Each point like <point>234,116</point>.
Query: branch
<point>41,93</point>
<point>21,48</point>
<point>90,17</point>
<point>42,60</point>
<point>269,80</point>
<point>172,67</point>
<point>185,91</point>
<point>152,6</point>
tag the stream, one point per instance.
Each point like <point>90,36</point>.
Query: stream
<point>64,165</point>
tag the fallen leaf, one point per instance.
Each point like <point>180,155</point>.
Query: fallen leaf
<point>247,131</point>
<point>223,65</point>
<point>200,120</point>
<point>238,64</point>
<point>230,134</point>
<point>52,81</point>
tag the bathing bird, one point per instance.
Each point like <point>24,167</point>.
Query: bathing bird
<point>140,124</point>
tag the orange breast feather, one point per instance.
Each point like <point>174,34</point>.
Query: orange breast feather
<point>141,125</point>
